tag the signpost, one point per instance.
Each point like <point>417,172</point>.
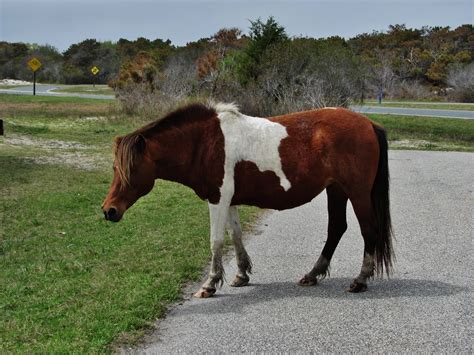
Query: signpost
<point>34,65</point>
<point>94,71</point>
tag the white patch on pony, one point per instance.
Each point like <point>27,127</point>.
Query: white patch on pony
<point>251,139</point>
<point>330,108</point>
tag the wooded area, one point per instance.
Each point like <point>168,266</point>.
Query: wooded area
<point>265,68</point>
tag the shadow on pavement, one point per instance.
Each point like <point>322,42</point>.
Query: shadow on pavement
<point>330,288</point>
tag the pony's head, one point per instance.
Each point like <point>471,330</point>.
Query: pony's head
<point>134,175</point>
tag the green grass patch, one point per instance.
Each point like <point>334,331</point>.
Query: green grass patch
<point>45,107</point>
<point>51,100</point>
<point>70,281</point>
<point>428,133</point>
<point>3,87</point>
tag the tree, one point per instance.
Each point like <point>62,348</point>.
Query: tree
<point>262,37</point>
<point>78,59</point>
<point>12,58</point>
<point>211,64</point>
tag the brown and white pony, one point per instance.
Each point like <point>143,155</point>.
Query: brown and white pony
<point>282,162</point>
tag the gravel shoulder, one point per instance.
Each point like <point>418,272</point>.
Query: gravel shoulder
<point>425,307</point>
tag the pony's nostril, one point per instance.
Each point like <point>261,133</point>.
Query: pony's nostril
<point>111,212</point>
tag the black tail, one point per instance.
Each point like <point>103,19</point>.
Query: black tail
<point>381,205</point>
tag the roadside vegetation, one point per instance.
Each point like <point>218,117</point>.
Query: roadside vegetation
<point>69,280</point>
<point>267,70</point>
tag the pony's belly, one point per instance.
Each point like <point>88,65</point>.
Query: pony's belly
<point>263,189</point>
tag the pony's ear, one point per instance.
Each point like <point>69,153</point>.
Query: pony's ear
<point>140,143</point>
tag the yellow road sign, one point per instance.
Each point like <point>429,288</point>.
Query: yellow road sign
<point>95,70</point>
<point>34,64</point>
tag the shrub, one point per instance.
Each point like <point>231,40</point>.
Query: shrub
<point>461,79</point>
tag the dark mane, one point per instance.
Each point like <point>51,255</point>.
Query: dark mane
<point>126,148</point>
<point>195,111</point>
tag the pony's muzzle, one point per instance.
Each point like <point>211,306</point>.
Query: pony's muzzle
<point>112,214</point>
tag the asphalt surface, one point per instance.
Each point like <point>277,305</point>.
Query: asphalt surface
<point>425,307</point>
<point>46,90</point>
<point>464,114</point>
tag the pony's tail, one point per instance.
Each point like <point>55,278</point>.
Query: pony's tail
<point>381,207</point>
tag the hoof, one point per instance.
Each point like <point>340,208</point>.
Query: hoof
<point>205,292</point>
<point>240,281</point>
<point>308,281</point>
<point>357,287</point>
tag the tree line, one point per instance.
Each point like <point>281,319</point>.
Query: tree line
<point>265,68</point>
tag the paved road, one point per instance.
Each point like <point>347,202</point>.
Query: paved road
<point>464,114</point>
<point>425,307</point>
<point>45,90</point>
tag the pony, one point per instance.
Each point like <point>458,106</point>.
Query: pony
<point>231,159</point>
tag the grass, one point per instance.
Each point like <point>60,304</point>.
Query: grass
<point>51,100</point>
<point>86,89</point>
<point>11,86</point>
<point>423,104</point>
<point>28,106</point>
<point>72,282</point>
<point>428,133</point>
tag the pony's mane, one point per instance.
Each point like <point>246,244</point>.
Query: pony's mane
<point>223,107</point>
<point>128,147</point>
<point>125,151</point>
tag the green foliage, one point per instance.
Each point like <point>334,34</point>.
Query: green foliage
<point>402,62</point>
<point>417,54</point>
<point>81,57</point>
<point>262,37</point>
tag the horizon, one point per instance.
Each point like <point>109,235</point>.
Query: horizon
<point>243,33</point>
<point>157,20</point>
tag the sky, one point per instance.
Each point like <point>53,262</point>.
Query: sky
<point>64,22</point>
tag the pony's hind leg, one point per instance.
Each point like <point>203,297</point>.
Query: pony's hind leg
<point>364,214</point>
<point>244,264</point>
<point>337,205</point>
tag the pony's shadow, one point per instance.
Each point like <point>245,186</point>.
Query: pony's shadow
<point>334,288</point>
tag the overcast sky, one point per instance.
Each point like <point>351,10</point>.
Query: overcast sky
<point>63,22</point>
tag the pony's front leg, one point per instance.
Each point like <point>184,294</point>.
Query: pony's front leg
<point>218,216</point>
<point>244,264</point>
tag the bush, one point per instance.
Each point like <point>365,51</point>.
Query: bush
<point>413,90</point>
<point>461,79</point>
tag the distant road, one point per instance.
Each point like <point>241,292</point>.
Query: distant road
<point>46,90</point>
<point>468,115</point>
